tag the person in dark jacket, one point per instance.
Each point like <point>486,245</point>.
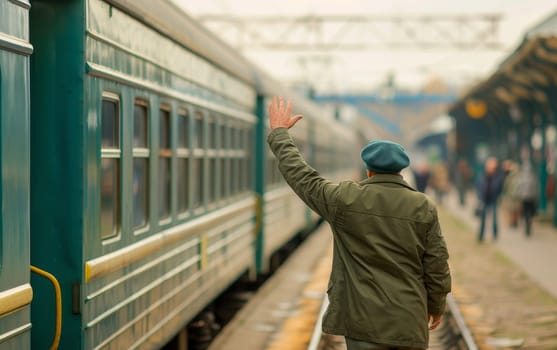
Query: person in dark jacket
<point>421,176</point>
<point>390,275</point>
<point>490,187</point>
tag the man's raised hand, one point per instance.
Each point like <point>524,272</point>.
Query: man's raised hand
<point>279,114</point>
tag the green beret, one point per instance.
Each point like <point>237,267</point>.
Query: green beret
<point>384,157</point>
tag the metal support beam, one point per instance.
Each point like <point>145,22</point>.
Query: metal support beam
<point>357,32</point>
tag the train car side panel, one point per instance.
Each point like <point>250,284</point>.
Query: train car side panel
<point>172,219</point>
<point>15,290</point>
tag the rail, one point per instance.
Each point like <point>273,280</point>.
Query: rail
<point>453,334</point>
<point>316,335</point>
<point>454,331</point>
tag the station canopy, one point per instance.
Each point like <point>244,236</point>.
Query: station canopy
<point>521,95</point>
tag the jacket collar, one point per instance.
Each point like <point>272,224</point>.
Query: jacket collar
<point>387,178</point>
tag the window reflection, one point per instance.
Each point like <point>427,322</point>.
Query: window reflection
<point>165,154</point>
<point>110,124</point>
<point>141,156</point>
<point>110,167</point>
<point>197,171</point>
<point>110,198</point>
<point>183,128</point>
<point>199,131</point>
<point>183,166</point>
<point>140,135</point>
<point>183,185</point>
<point>140,192</point>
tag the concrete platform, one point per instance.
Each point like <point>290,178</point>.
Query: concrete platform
<point>534,254</point>
<point>271,320</point>
<point>505,288</point>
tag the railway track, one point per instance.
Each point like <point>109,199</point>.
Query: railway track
<point>453,333</point>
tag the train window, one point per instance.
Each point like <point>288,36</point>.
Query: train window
<point>183,185</point>
<point>212,193</point>
<point>164,130</point>
<point>199,130</point>
<point>241,163</point>
<point>165,171</point>
<point>233,176</point>
<point>197,170</point>
<point>212,156</point>
<point>212,133</point>
<point>183,129</point>
<point>110,167</point>
<point>110,178</point>
<point>249,159</point>
<point>223,137</point>
<point>241,138</point>
<point>232,173</point>
<point>110,124</point>
<point>140,165</point>
<point>183,167</point>
<point>140,192</point>
<point>242,178</point>
<point>245,156</point>
<point>140,136</point>
<point>198,163</point>
<point>223,176</point>
<point>232,138</point>
<point>224,161</point>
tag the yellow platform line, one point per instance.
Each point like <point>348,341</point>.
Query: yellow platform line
<point>297,330</point>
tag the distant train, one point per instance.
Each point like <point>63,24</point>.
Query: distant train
<point>135,171</point>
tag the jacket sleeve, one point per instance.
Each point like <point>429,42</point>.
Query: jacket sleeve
<point>319,194</point>
<point>437,276</point>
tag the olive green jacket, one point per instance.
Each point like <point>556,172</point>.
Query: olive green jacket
<point>390,259</point>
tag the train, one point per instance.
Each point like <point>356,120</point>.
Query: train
<point>136,180</point>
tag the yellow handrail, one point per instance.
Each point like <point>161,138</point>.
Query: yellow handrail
<point>58,295</point>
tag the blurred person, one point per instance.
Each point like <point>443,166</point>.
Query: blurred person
<point>440,181</point>
<point>407,175</point>
<point>463,180</point>
<point>509,201</point>
<point>490,186</point>
<point>421,176</point>
<point>390,275</point>
<point>527,192</point>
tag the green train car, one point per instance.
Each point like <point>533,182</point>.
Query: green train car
<point>15,290</point>
<point>135,171</point>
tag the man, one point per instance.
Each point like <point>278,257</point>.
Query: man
<point>527,190</point>
<point>490,187</point>
<point>421,176</point>
<point>509,200</point>
<point>390,273</point>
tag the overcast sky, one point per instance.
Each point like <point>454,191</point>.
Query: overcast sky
<point>411,68</point>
